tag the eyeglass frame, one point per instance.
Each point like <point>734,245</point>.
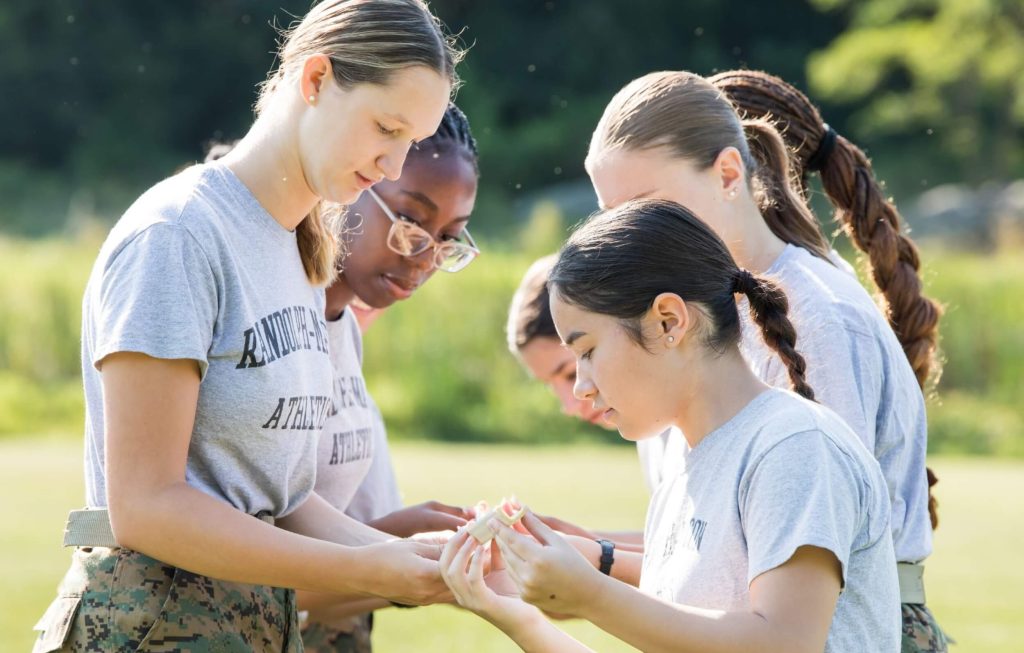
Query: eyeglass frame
<point>437,247</point>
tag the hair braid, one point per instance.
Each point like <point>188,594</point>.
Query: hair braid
<point>869,219</point>
<point>769,308</point>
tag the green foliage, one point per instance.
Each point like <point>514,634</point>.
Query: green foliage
<point>439,366</point>
<point>948,68</point>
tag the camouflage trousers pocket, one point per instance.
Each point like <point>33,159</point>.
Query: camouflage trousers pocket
<point>921,633</point>
<point>55,624</point>
<point>131,602</point>
<point>322,638</point>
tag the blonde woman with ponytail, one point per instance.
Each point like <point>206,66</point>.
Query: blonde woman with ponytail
<point>771,534</point>
<point>873,224</point>
<point>675,135</point>
<point>206,369</point>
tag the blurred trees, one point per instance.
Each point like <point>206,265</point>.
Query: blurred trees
<point>948,69</point>
<point>103,99</point>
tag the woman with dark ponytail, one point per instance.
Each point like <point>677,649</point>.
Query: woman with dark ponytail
<point>772,533</point>
<point>873,224</point>
<point>674,135</point>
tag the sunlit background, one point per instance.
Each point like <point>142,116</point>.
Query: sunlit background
<point>101,100</point>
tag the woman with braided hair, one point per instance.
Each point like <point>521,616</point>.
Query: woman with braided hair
<point>873,224</point>
<point>674,135</point>
<point>771,534</point>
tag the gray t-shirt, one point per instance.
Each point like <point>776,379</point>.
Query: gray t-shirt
<point>657,452</point>
<point>350,439</point>
<point>782,473</point>
<point>378,494</point>
<point>197,269</point>
<point>856,366</point>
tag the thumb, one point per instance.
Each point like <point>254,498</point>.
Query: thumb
<point>538,529</point>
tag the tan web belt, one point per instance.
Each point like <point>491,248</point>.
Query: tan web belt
<point>91,527</point>
<point>911,577</point>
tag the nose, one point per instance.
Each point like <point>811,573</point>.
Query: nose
<point>584,389</point>
<point>392,162</point>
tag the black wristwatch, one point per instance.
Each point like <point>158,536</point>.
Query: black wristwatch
<point>607,556</point>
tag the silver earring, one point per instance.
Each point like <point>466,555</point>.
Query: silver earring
<point>732,194</point>
<point>671,339</point>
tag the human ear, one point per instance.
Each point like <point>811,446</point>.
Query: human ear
<point>316,72</point>
<point>670,317</point>
<point>730,172</point>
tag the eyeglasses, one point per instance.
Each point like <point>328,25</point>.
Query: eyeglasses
<point>409,239</point>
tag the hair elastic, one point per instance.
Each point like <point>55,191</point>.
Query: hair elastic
<point>824,151</point>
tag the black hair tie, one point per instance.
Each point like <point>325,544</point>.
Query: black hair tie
<point>743,282</point>
<point>824,151</point>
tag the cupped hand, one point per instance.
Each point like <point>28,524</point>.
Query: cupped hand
<point>406,572</point>
<point>548,571</point>
<point>491,595</point>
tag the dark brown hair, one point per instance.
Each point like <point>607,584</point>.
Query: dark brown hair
<point>867,216</point>
<point>684,113</point>
<point>621,259</point>
<point>529,315</point>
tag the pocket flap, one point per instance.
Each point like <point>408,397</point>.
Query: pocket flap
<point>55,624</point>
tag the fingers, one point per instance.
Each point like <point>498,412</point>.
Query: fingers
<point>455,511</point>
<point>452,548</point>
<point>442,521</point>
<point>521,546</point>
<point>538,529</point>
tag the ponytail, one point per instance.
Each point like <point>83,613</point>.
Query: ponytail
<point>318,246</point>
<point>869,219</point>
<point>620,259</point>
<point>769,308</point>
<point>777,192</point>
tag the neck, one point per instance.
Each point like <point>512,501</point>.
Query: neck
<point>338,297</point>
<point>267,162</point>
<point>718,392</point>
<point>751,242</point>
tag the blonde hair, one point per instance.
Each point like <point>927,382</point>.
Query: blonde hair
<point>686,114</point>
<point>367,41</point>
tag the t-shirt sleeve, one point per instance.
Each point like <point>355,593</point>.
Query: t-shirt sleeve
<point>803,492</point>
<point>157,296</point>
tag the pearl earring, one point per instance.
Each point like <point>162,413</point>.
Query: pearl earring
<point>671,339</point>
<point>312,99</point>
<point>732,194</point>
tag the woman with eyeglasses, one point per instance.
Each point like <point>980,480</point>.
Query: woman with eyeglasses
<point>396,236</point>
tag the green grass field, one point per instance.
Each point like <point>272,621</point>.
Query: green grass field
<point>974,584</point>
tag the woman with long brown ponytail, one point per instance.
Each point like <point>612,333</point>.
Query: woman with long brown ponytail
<point>674,135</point>
<point>872,222</point>
<point>772,532</point>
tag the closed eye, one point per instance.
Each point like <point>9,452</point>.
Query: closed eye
<point>384,130</point>
<point>587,354</point>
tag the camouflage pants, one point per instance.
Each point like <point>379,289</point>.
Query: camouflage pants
<point>321,638</point>
<point>920,632</point>
<point>122,600</point>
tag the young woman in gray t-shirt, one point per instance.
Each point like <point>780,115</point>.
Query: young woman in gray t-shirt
<point>205,360</point>
<point>772,533</point>
<point>675,135</point>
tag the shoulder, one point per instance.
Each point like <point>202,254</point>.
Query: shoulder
<point>825,296</point>
<point>191,210</point>
<point>797,426</point>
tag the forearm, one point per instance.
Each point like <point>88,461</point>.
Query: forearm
<point>330,608</point>
<point>184,527</point>
<point>318,518</point>
<point>625,540</point>
<point>627,564</point>
<point>538,635</point>
<point>657,626</point>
